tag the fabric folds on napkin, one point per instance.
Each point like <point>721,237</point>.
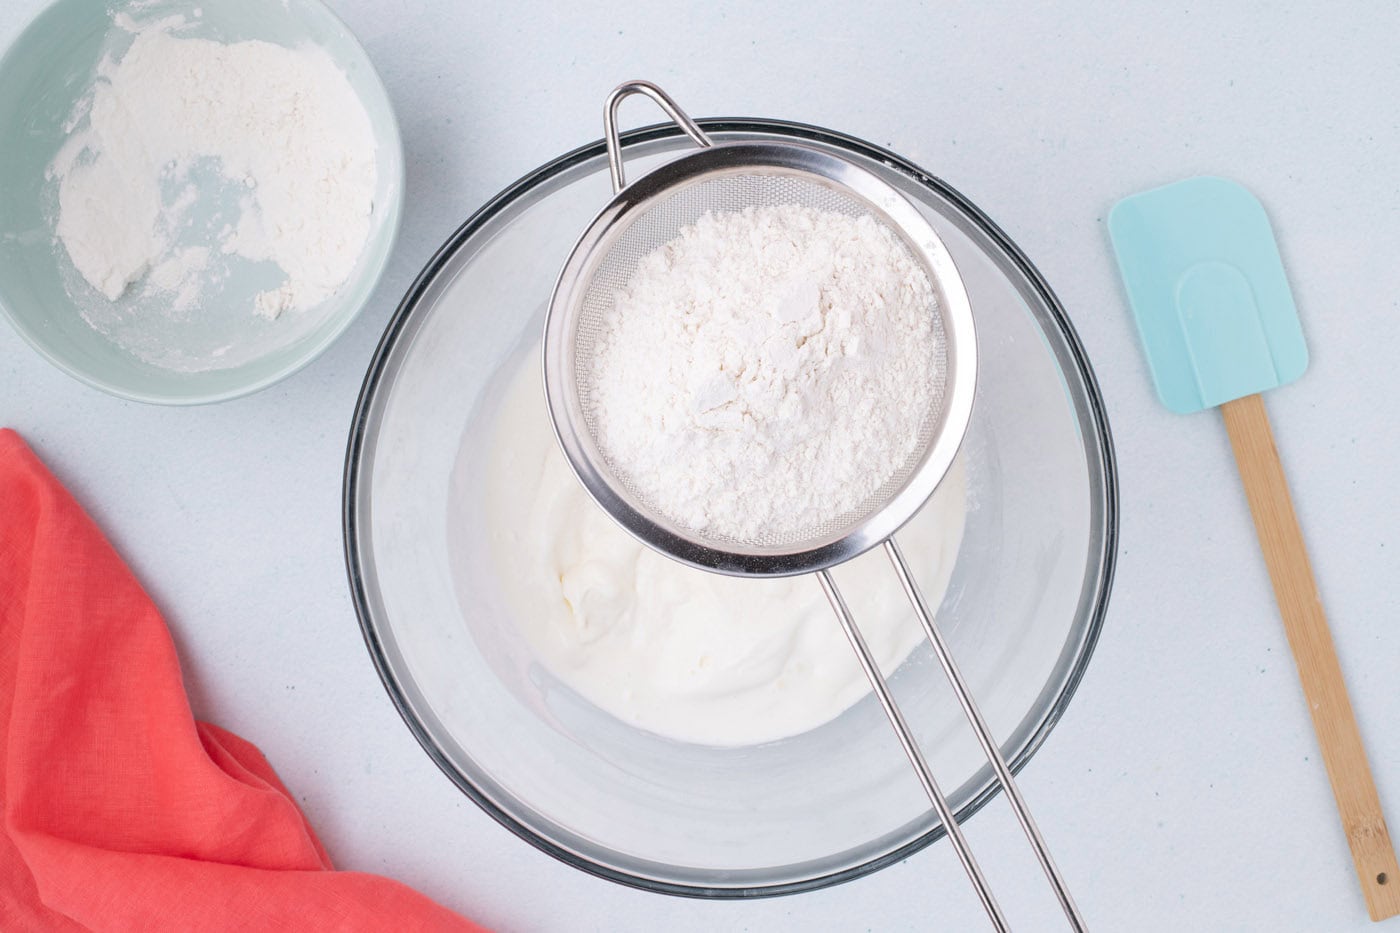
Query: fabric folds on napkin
<point>121,811</point>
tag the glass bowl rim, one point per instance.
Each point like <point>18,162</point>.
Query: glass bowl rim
<point>374,378</point>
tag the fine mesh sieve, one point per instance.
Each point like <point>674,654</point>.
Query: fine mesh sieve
<point>650,212</point>
<point>646,215</point>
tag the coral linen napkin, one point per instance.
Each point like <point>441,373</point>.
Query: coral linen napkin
<point>121,811</point>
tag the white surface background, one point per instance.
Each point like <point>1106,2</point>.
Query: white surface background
<point>1183,789</point>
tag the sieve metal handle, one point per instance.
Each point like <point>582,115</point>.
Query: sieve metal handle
<point>979,726</point>
<point>984,735</point>
<point>664,101</point>
<point>911,749</point>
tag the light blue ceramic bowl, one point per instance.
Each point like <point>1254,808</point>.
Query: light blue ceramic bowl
<point>220,350</point>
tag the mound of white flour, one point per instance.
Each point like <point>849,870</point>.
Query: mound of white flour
<point>281,125</point>
<point>766,370</point>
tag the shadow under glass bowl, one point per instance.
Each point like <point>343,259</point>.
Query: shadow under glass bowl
<point>1022,612</point>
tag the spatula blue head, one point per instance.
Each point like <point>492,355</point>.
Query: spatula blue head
<point>1208,292</point>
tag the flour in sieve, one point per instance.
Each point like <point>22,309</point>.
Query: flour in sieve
<point>766,371</point>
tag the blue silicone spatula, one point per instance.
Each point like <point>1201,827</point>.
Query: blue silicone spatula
<point>1217,320</point>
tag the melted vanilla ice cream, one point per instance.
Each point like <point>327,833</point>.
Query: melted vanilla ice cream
<point>687,654</point>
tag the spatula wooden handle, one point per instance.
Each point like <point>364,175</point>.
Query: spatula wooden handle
<point>1306,625</point>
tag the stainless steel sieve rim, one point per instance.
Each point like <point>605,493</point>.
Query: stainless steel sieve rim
<point>794,160</point>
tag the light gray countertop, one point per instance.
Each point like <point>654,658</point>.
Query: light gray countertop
<point>1183,789</point>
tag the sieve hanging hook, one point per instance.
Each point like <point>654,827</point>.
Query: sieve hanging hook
<point>664,101</point>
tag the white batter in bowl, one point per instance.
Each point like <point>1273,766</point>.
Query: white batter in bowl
<point>687,654</point>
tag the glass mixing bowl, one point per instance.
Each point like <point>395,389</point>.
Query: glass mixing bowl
<point>1022,612</point>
